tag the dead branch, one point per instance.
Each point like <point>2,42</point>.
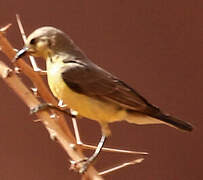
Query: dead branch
<point>57,125</point>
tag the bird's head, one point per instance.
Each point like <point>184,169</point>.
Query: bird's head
<point>45,42</point>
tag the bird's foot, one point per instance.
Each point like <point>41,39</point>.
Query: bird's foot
<point>40,107</point>
<point>45,106</point>
<point>80,166</point>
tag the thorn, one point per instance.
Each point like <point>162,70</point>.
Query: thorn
<point>53,116</point>
<point>40,71</point>
<point>86,146</point>
<point>35,91</point>
<point>32,60</point>
<point>5,28</point>
<point>73,166</point>
<point>7,73</point>
<point>52,134</point>
<point>73,112</point>
<point>60,104</point>
<point>77,165</point>
<point>37,120</point>
<point>17,70</point>
<point>73,146</point>
<point>80,143</point>
<point>136,161</point>
<point>72,161</point>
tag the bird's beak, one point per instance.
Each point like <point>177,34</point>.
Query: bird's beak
<point>20,53</point>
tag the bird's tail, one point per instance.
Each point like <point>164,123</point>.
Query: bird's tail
<point>177,123</point>
<point>157,117</point>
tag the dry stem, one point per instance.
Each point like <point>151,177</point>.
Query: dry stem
<point>136,161</point>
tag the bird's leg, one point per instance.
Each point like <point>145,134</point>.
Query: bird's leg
<point>98,149</point>
<point>87,161</point>
<point>106,132</point>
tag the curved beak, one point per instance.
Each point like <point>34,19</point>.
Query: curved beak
<point>20,53</point>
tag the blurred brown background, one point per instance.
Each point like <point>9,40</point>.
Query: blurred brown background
<point>155,46</point>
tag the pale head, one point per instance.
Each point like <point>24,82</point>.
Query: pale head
<point>48,41</point>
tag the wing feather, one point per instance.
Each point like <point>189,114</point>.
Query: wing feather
<point>90,79</point>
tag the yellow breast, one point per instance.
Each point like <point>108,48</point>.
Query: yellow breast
<point>86,106</point>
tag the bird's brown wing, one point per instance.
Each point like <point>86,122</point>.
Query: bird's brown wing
<point>91,80</point>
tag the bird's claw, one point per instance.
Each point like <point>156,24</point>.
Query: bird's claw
<point>39,107</point>
<point>84,168</point>
<point>80,166</point>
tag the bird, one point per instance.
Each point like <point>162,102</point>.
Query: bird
<point>91,91</point>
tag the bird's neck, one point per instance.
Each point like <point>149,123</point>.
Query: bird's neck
<point>54,58</point>
<point>71,54</point>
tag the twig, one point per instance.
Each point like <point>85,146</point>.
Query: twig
<point>137,161</point>
<point>3,29</point>
<point>59,125</point>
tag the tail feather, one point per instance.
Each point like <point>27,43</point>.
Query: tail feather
<point>173,121</point>
<point>154,115</point>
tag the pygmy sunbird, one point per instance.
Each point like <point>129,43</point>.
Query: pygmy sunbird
<point>90,90</point>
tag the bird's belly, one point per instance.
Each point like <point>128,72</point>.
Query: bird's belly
<point>86,106</point>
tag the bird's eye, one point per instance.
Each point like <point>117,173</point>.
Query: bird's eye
<point>33,41</point>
